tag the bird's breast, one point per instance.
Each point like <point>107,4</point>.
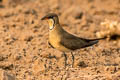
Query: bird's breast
<point>55,39</point>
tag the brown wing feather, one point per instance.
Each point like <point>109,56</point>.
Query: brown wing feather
<point>73,42</point>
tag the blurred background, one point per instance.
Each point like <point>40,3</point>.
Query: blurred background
<point>24,54</point>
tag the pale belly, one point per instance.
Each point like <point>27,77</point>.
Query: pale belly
<point>56,44</point>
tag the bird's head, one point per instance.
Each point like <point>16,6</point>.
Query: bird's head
<point>52,19</point>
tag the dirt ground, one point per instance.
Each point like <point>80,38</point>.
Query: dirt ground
<point>23,40</point>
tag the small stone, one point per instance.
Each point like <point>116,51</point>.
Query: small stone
<point>6,76</point>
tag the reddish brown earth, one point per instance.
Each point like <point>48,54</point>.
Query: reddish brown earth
<point>23,40</point>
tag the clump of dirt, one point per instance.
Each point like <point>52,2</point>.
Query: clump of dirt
<point>111,29</point>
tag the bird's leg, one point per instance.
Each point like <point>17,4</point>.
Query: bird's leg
<point>65,59</point>
<point>72,59</point>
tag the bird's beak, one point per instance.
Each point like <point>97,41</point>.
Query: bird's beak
<point>44,18</point>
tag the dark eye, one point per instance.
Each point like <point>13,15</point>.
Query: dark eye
<point>50,16</point>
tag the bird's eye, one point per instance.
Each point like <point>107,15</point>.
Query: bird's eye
<point>50,16</point>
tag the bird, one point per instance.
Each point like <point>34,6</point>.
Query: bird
<point>64,41</point>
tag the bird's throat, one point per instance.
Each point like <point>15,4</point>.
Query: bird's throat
<point>51,27</point>
<point>51,24</point>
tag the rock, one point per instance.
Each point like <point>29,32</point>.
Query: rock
<point>6,76</point>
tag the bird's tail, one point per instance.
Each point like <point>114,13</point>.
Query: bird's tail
<point>93,41</point>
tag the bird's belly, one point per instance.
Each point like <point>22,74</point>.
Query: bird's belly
<point>59,47</point>
<point>62,48</point>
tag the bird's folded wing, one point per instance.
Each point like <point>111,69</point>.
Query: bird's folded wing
<point>72,42</point>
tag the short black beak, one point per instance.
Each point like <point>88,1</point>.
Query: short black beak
<point>44,18</point>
